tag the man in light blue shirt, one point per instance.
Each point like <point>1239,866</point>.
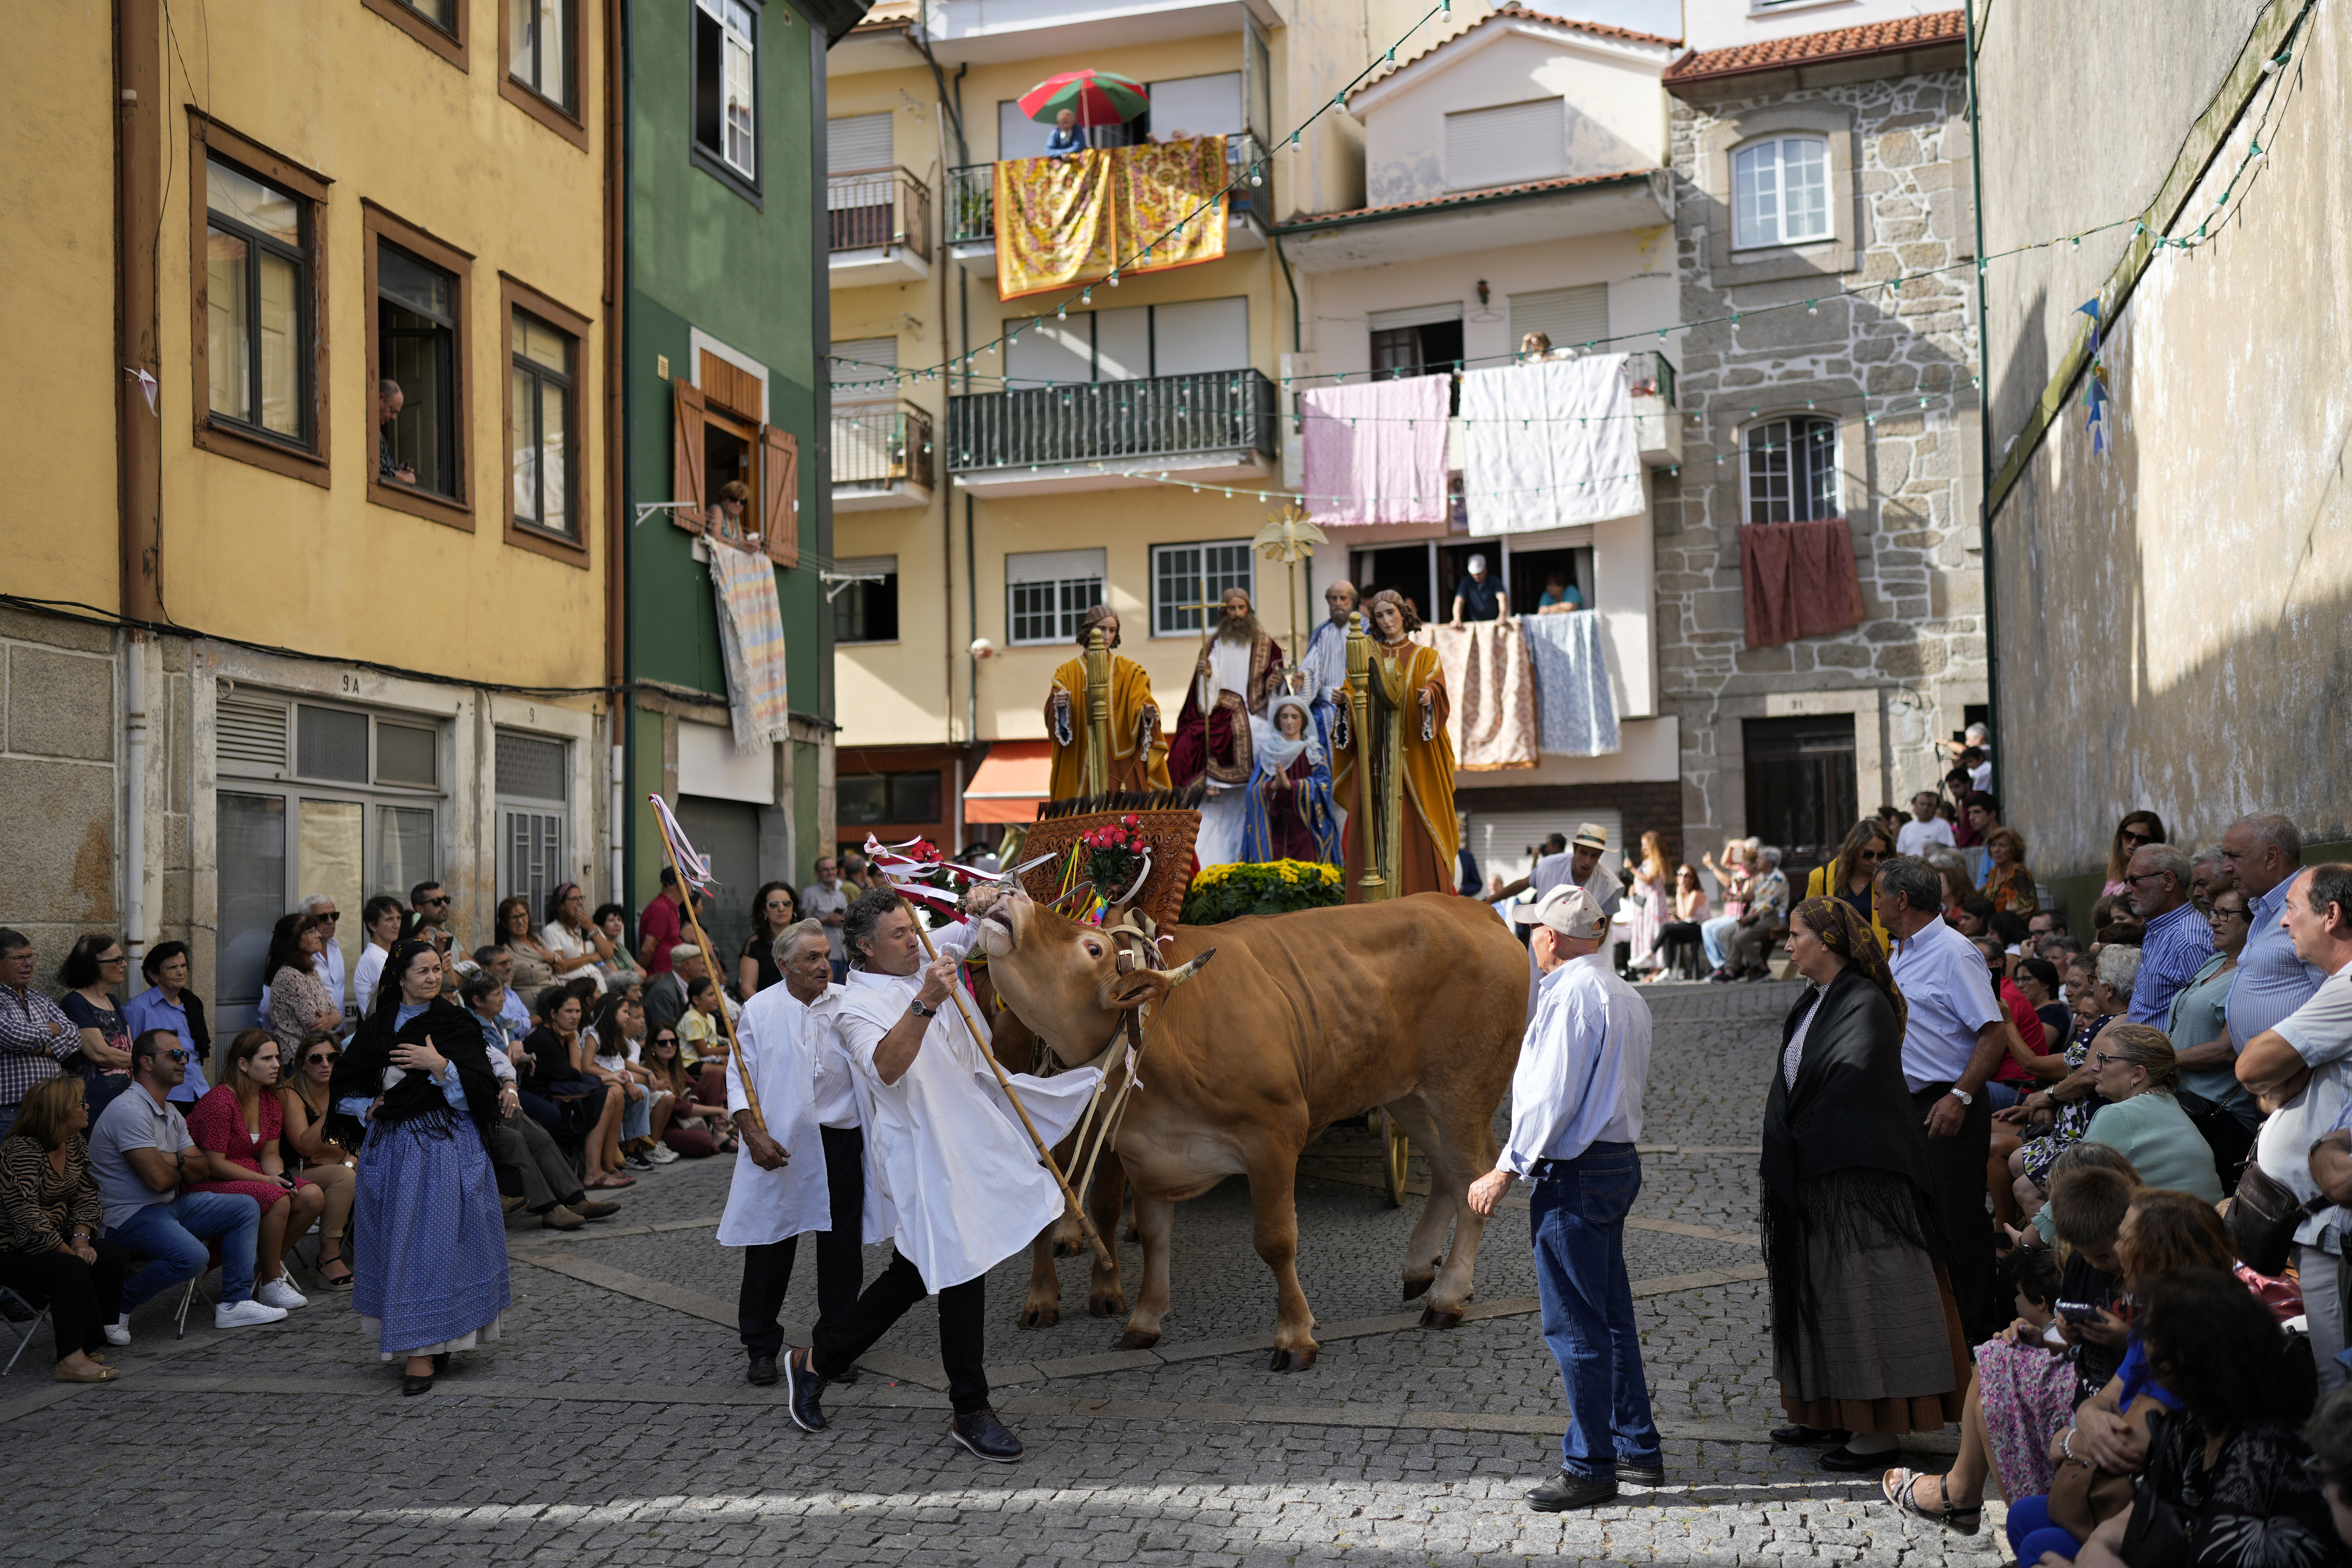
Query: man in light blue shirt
<point>2264,850</point>
<point>1576,1114</point>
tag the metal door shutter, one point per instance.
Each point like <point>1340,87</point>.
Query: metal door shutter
<point>1053,565</point>
<point>1201,335</point>
<point>1018,135</point>
<point>728,832</point>
<point>1197,106</point>
<point>1050,349</point>
<point>1507,145</point>
<point>1571,317</point>
<point>864,376</point>
<point>857,143</point>
<point>1123,343</point>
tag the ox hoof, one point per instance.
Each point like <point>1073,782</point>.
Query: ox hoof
<point>1136,1340</point>
<point>1134,1234</point>
<point>1107,1306</point>
<point>1070,1249</point>
<point>1413,1288</point>
<point>1040,1317</point>
<point>1430,1318</point>
<point>1297,1359</point>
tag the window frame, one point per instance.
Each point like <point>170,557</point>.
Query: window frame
<point>448,43</point>
<point>750,186</point>
<point>379,226</point>
<point>1781,239</point>
<point>1066,618</point>
<point>854,589</point>
<point>1833,477</point>
<point>1249,560</point>
<point>515,295</point>
<point>569,121</point>
<point>310,458</point>
<point>1836,254</point>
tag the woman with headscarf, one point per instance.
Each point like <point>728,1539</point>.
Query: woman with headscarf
<point>428,1223</point>
<point>1289,815</point>
<point>1865,1334</point>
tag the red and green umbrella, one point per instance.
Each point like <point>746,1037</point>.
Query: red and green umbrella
<point>1096,98</point>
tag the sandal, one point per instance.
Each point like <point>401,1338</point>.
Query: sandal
<point>1900,1487</point>
<point>335,1281</point>
<point>609,1183</point>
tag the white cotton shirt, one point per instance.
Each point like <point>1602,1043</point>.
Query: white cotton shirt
<point>952,1179</point>
<point>367,974</point>
<point>1582,1068</point>
<point>2321,1032</point>
<point>564,945</point>
<point>1552,871</point>
<point>776,1043</point>
<point>836,1084</point>
<point>1947,993</point>
<point>1917,837</point>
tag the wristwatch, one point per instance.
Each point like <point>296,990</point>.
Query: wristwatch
<point>920,1011</point>
<point>1962,1095</point>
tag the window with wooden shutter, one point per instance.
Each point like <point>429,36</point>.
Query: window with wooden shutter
<point>687,452</point>
<point>780,495</point>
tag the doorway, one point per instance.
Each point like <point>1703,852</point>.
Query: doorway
<point>1800,788</point>
<point>1404,567</point>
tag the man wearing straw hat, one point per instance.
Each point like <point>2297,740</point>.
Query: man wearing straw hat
<point>951,1178</point>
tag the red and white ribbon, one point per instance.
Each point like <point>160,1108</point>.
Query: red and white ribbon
<point>692,868</point>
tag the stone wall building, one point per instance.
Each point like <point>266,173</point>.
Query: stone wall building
<point>1812,170</point>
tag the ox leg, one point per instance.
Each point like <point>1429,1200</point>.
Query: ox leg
<point>1425,1251</point>
<point>1106,1298</point>
<point>1458,1155</point>
<point>1156,1218</point>
<point>1043,1309</point>
<point>1273,1209</point>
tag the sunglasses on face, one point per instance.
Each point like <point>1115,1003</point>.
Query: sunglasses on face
<point>2133,836</point>
<point>317,1058</point>
<point>173,1055</point>
<point>329,918</point>
<point>443,898</point>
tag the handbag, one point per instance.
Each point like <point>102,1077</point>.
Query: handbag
<point>2159,1534</point>
<point>2263,1220</point>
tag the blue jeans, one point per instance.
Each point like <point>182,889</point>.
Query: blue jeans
<point>637,1117</point>
<point>7,1119</point>
<point>1577,1214</point>
<point>2031,1533</point>
<point>174,1233</point>
<point>2002,1095</point>
<point>1713,934</point>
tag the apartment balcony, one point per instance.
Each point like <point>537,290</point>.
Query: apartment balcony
<point>1657,422</point>
<point>1216,428</point>
<point>880,228</point>
<point>881,456</point>
<point>971,204</point>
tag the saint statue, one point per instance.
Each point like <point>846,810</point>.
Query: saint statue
<point>1289,815</point>
<point>1236,674</point>
<point>1409,689</point>
<point>1139,750</point>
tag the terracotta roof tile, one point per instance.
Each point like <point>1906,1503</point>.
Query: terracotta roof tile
<point>1456,198</point>
<point>1511,8</point>
<point>1811,49</point>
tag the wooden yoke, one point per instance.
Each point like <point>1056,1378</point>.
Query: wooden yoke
<point>1096,774</point>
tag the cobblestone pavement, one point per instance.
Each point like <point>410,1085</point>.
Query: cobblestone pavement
<point>611,1423</point>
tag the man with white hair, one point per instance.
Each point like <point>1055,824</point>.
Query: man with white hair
<point>1478,598</point>
<point>1576,1118</point>
<point>1980,737</point>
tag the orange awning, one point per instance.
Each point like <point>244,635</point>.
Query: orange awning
<point>1011,784</point>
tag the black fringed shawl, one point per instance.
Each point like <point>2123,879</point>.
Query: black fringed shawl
<point>1843,1149</point>
<point>359,1075</point>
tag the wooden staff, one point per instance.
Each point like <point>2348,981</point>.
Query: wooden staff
<point>963,1005</point>
<point>1371,886</point>
<point>726,1024</point>
<point>1096,775</point>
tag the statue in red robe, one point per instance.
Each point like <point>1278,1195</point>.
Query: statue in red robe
<point>1236,674</point>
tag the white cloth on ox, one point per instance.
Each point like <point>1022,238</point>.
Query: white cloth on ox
<point>779,1043</point>
<point>952,1179</point>
<point>1550,445</point>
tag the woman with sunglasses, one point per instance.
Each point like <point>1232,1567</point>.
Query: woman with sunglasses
<point>773,907</point>
<point>1847,877</point>
<point>95,968</point>
<point>2137,1077</point>
<point>2136,832</point>
<point>302,1107</point>
<point>697,1130</point>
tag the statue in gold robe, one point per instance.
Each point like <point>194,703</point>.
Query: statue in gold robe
<point>1138,750</point>
<point>1410,692</point>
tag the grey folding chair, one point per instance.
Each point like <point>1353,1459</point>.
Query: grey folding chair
<point>26,1330</point>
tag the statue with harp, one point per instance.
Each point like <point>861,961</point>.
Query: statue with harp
<point>1392,764</point>
<point>1101,720</point>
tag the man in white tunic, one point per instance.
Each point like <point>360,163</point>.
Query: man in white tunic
<point>1576,1116</point>
<point>807,1170</point>
<point>952,1179</point>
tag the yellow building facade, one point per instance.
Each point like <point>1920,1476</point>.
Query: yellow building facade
<point>317,652</point>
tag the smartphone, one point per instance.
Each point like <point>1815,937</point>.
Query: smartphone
<point>2077,1311</point>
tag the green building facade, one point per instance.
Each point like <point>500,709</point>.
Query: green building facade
<point>726,326</point>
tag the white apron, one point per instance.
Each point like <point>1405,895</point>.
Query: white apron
<point>776,1043</point>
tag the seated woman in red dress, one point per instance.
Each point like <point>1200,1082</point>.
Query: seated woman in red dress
<point>238,1124</point>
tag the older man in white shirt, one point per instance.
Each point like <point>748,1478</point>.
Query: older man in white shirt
<point>1954,1035</point>
<point>787,1053</point>
<point>952,1179</point>
<point>1576,1115</point>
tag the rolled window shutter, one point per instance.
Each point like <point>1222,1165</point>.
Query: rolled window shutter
<point>780,491</point>
<point>857,143</point>
<point>687,470</point>
<point>1507,145</point>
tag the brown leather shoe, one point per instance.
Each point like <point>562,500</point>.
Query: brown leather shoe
<point>560,1219</point>
<point>588,1208</point>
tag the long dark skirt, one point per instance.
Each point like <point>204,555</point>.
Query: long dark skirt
<point>432,1239</point>
<point>1866,1334</point>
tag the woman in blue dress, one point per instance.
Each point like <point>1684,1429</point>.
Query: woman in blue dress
<point>1289,815</point>
<point>432,1270</point>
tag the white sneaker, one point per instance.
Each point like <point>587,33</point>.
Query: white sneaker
<point>118,1332</point>
<point>244,1315</point>
<point>662,1154</point>
<point>280,1293</point>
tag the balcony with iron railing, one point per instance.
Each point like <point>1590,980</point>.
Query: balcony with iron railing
<point>1215,427</point>
<point>878,224</point>
<point>971,202</point>
<point>881,455</point>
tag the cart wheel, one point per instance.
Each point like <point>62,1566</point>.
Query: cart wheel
<point>1398,1149</point>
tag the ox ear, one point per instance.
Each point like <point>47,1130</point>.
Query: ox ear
<point>1141,986</point>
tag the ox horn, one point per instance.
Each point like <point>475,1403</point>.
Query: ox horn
<point>1200,960</point>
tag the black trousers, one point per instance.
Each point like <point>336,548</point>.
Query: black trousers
<point>840,1261</point>
<point>963,1329</point>
<point>82,1298</point>
<point>1958,1166</point>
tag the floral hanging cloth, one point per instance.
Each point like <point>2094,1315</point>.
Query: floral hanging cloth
<point>1070,220</point>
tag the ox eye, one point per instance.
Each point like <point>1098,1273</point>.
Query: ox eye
<point>1094,950</point>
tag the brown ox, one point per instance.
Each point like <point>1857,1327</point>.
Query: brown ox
<point>1416,1004</point>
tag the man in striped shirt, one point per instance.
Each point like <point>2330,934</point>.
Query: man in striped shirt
<point>34,1033</point>
<point>2177,941</point>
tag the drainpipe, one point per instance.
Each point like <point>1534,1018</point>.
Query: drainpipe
<point>134,816</point>
<point>1984,416</point>
<point>971,613</point>
<point>617,360</point>
<point>1297,342</point>
<point>625,700</point>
